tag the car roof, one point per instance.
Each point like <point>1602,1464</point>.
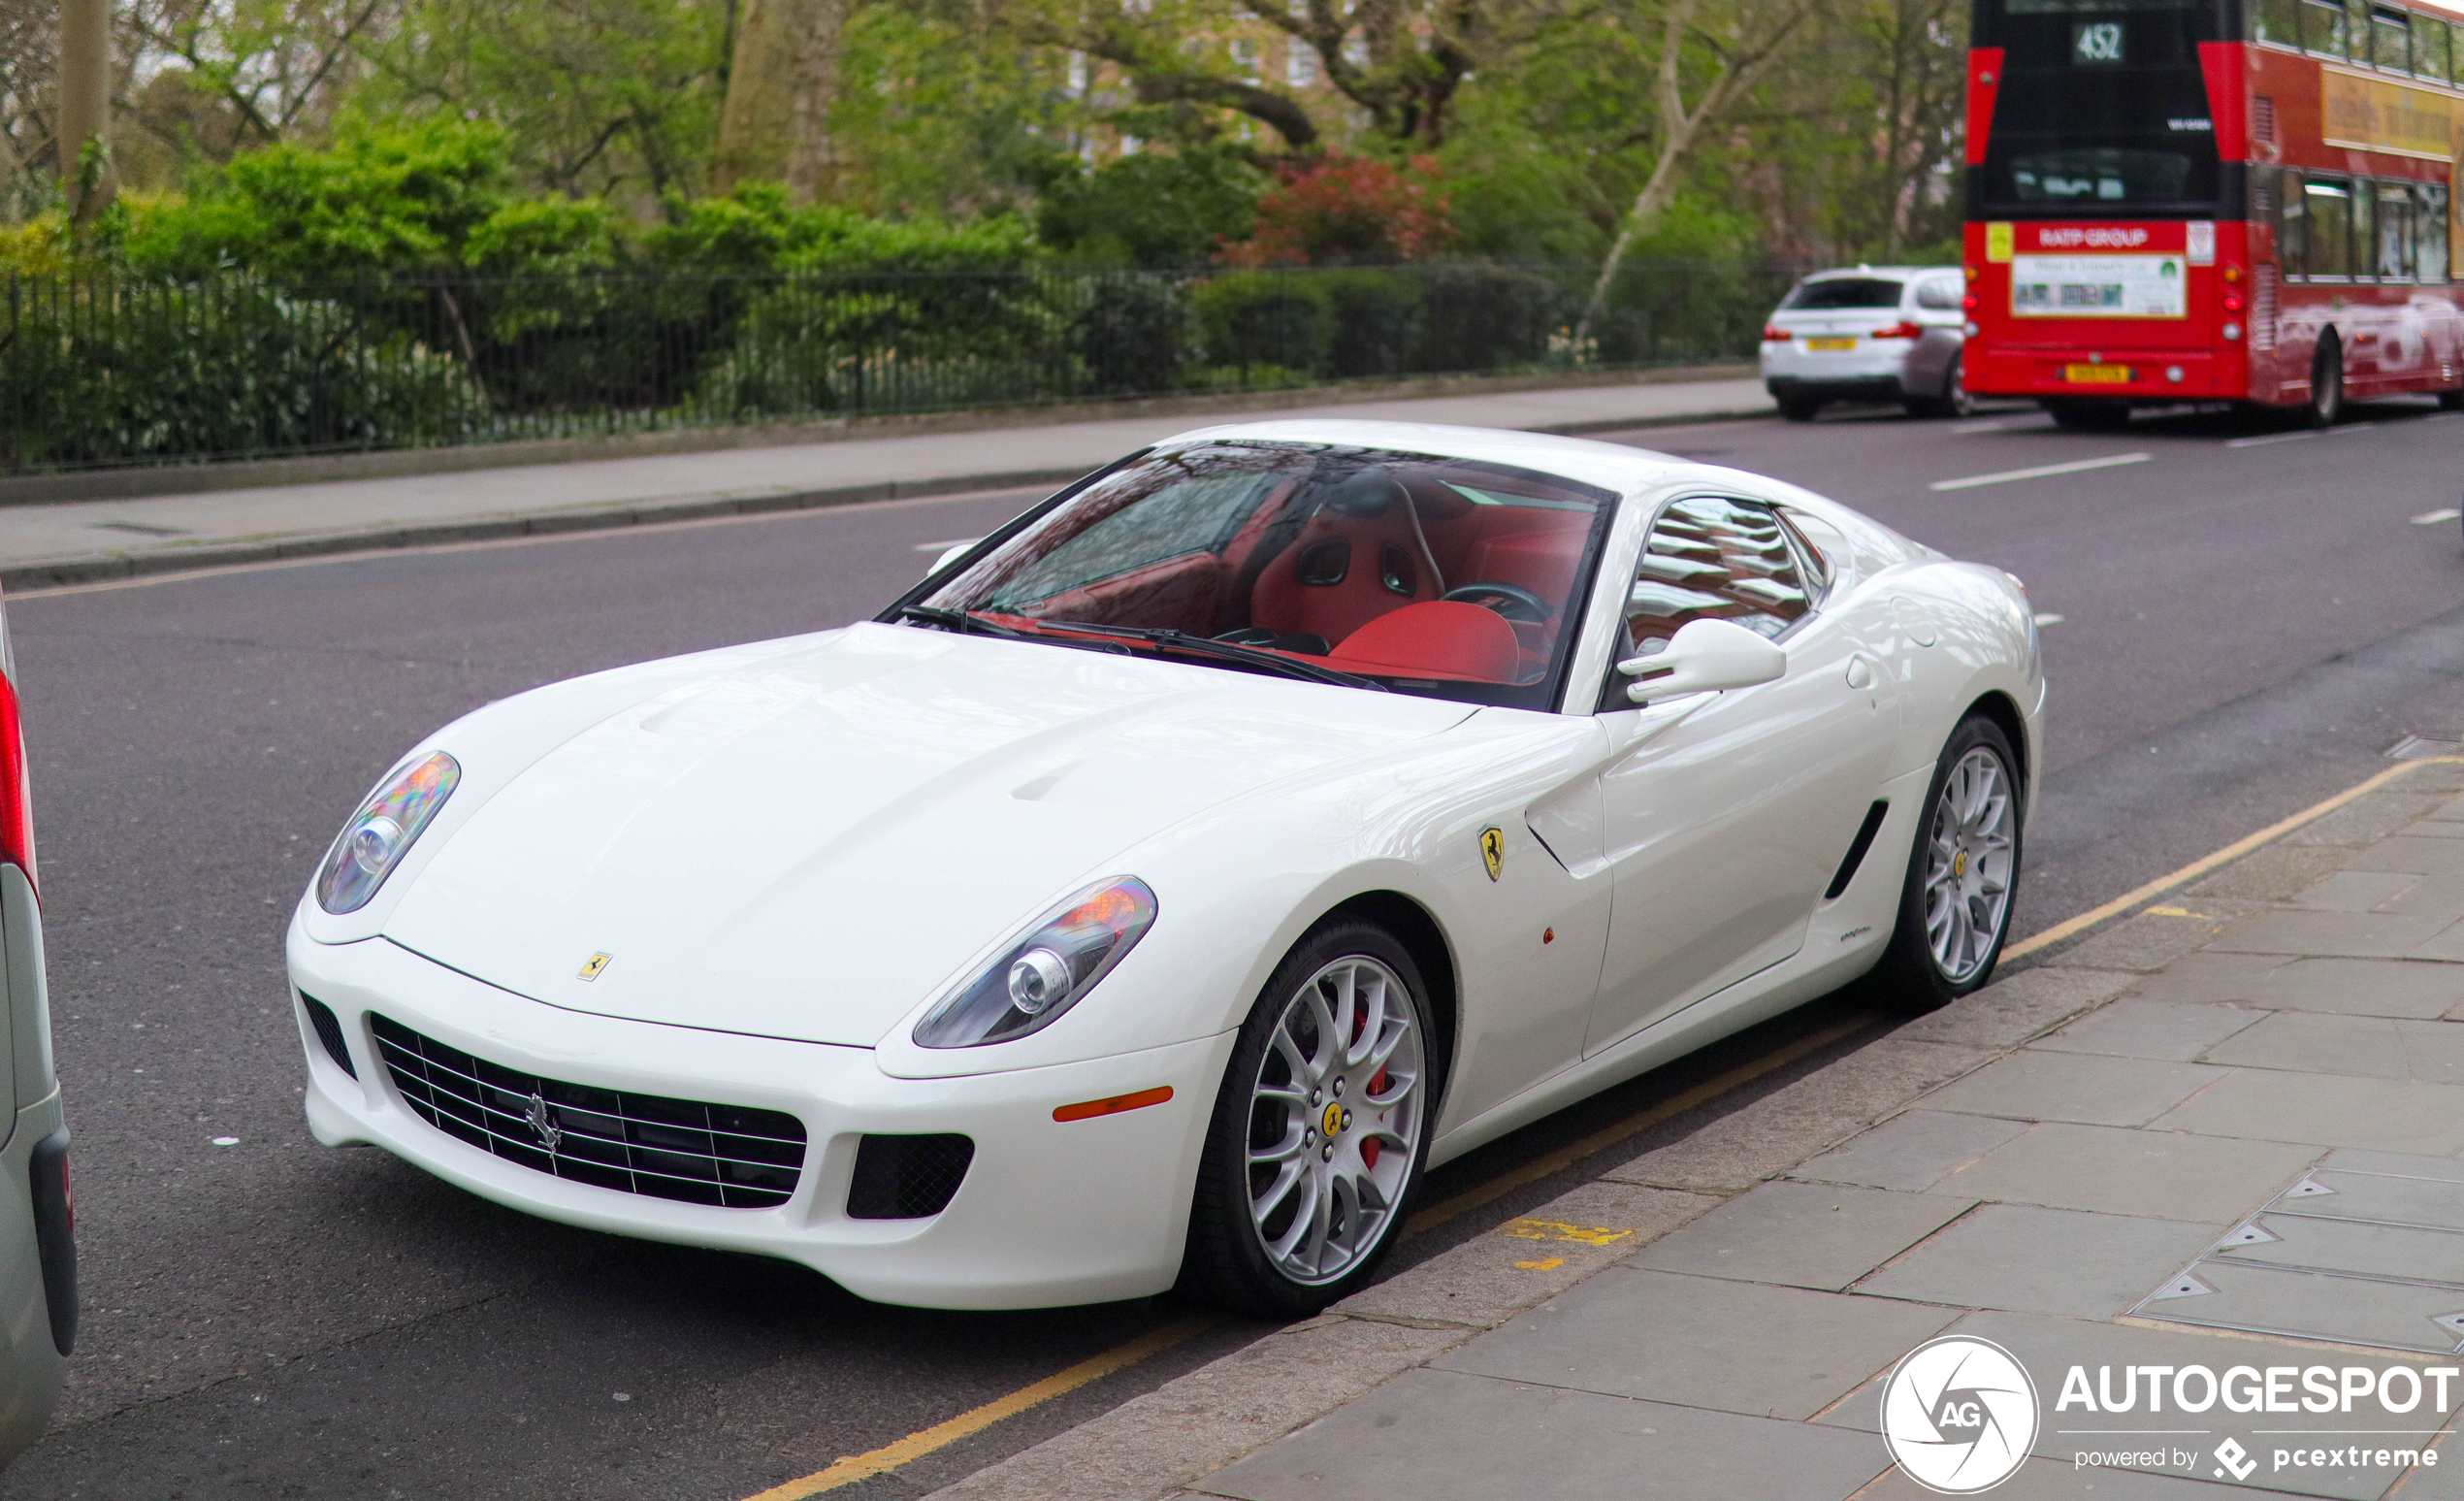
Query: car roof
<point>1879,271</point>
<point>1609,466</point>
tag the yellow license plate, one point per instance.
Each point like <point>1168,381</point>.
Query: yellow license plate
<point>2096,375</point>
<point>1831,343</point>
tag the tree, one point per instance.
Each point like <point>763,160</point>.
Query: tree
<point>86,106</point>
<point>781,85</point>
<point>1720,54</point>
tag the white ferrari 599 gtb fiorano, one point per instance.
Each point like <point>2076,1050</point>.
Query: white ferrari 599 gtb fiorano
<point>1149,895</point>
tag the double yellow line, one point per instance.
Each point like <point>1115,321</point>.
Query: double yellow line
<point>915,1446</point>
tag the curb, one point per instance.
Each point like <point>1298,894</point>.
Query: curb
<point>106,567</point>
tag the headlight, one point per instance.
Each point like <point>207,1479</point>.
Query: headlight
<point>1044,973</point>
<point>383,831</point>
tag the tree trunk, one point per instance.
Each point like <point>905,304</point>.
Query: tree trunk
<point>775,124</point>
<point>86,106</point>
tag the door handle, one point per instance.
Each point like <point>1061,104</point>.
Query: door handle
<point>1859,671</point>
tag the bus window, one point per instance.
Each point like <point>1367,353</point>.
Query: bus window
<point>2323,28</point>
<point>2429,239</point>
<point>2390,39</point>
<point>2430,48</point>
<point>2365,233</point>
<point>2092,175</point>
<point>2329,207</point>
<point>2278,22</point>
<point>2395,232</point>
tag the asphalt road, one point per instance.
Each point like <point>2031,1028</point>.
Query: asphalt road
<point>2247,620</point>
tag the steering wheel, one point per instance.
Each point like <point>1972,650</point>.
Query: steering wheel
<point>1511,601</point>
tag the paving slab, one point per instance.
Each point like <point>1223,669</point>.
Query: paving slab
<point>2370,818</point>
<point>2137,1026</point>
<point>2040,1086</point>
<point>2391,1115</point>
<point>2276,872</point>
<point>1708,1343</point>
<point>2357,890</point>
<point>2369,1046</point>
<point>1802,1234</point>
<point>2357,1247</point>
<point>2389,1316</point>
<point>2150,1174</point>
<point>2356,935</point>
<point>1441,1436</point>
<point>2038,1260</point>
<point>2352,987</point>
<point>2429,895</point>
<point>2399,1165</point>
<point>2412,855</point>
<point>1912,1151</point>
<point>2159,936</point>
<point>2008,1012</point>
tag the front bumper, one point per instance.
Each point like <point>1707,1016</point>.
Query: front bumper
<point>1048,1214</point>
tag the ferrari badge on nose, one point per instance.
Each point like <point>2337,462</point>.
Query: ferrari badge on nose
<point>1493,849</point>
<point>593,965</point>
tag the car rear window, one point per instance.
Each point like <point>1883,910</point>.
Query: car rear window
<point>1844,292</point>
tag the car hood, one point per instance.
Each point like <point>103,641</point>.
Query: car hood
<point>812,844</point>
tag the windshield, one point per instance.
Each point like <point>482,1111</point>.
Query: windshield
<point>1844,292</point>
<point>1443,577</point>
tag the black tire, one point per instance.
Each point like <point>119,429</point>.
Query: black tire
<point>1226,1262</point>
<point>2326,383</point>
<point>2088,414</point>
<point>1953,401</point>
<point>1908,978</point>
<point>2452,401</point>
<point>1799,409</point>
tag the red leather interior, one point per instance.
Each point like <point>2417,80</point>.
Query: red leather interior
<point>1438,638</point>
<point>1170,594</point>
<point>1379,544</point>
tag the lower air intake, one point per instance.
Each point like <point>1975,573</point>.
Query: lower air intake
<point>907,1177</point>
<point>328,1031</point>
<point>680,1149</point>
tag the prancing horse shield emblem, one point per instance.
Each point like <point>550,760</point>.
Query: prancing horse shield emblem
<point>543,1122</point>
<point>1493,850</point>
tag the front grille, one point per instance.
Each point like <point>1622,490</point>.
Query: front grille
<point>328,1031</point>
<point>679,1149</point>
<point>907,1177</point>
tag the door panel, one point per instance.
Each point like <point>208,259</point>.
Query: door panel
<point>1724,824</point>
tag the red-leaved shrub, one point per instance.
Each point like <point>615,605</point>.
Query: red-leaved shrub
<point>1339,210</point>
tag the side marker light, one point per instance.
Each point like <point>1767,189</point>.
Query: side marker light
<point>1089,1110</point>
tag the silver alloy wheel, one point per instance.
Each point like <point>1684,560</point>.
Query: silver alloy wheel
<point>1968,864</point>
<point>1335,1120</point>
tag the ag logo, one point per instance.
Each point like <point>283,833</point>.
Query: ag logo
<point>1493,850</point>
<point>1958,1414</point>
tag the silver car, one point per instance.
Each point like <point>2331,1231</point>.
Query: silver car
<point>1874,334</point>
<point>37,1247</point>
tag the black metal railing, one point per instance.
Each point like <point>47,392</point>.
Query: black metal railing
<point>104,369</point>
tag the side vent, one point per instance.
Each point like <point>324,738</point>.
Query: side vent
<point>907,1177</point>
<point>2263,121</point>
<point>328,1031</point>
<point>1857,849</point>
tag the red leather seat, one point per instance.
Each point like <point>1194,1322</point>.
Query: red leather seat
<point>1439,638</point>
<point>1359,555</point>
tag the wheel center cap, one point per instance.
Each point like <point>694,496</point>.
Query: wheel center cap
<point>1335,1119</point>
<point>1959,864</point>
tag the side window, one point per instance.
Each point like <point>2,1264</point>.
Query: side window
<point>2431,242</point>
<point>2329,207</point>
<point>2293,225</point>
<point>2365,231</point>
<point>1709,558</point>
<point>2395,232</point>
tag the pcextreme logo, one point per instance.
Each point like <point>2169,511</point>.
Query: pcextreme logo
<point>1958,1414</point>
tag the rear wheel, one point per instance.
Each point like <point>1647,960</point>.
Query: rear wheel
<point>2326,383</point>
<point>1955,908</point>
<point>1799,409</point>
<point>1953,399</point>
<point>1320,1131</point>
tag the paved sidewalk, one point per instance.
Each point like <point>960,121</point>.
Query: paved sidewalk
<point>2229,1130</point>
<point>77,541</point>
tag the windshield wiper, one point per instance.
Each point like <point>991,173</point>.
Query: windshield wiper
<point>1222,651</point>
<point>958,620</point>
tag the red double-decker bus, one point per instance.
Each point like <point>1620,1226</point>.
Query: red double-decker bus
<point>2252,201</point>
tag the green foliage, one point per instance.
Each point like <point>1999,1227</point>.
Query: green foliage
<point>97,371</point>
<point>755,230</point>
<point>381,200</point>
<point>1266,318</point>
<point>1152,210</point>
<point>545,236</point>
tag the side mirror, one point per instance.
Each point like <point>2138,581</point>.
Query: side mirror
<point>948,558</point>
<point>1702,655</point>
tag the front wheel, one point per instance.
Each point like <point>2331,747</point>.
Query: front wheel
<point>1320,1131</point>
<point>1955,909</point>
